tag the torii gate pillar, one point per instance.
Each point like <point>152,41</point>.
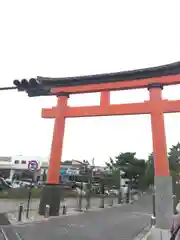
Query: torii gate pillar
<point>51,193</point>
<point>162,178</point>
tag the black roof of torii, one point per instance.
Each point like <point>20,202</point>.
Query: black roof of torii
<point>163,70</point>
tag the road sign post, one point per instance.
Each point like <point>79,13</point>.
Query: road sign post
<point>32,166</point>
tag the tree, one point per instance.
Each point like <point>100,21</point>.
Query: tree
<point>112,176</point>
<point>149,172</point>
<point>132,167</point>
<point>174,160</point>
<point>174,157</point>
<point>111,165</point>
<point>174,165</point>
<point>141,172</point>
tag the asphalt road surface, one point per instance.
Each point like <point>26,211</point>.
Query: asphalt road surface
<point>118,223</point>
<point>13,205</point>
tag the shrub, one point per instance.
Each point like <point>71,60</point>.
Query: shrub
<point>19,193</point>
<point>23,193</point>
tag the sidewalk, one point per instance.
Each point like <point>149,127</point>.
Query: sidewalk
<point>34,217</point>
<point>10,205</point>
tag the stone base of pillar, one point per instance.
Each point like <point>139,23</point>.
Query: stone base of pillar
<point>51,195</point>
<point>163,201</point>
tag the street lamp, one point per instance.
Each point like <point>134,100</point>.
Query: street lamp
<point>120,193</point>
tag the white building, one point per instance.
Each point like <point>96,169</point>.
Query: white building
<point>21,162</point>
<point>18,164</point>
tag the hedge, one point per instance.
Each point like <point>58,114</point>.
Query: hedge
<point>19,193</point>
<point>22,193</point>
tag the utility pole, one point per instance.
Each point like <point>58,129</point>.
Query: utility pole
<point>120,194</point>
<point>89,171</point>
<point>90,179</point>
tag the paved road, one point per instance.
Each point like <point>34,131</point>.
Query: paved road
<point>118,223</point>
<point>13,205</point>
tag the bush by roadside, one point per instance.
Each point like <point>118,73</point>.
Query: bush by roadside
<point>19,193</point>
<point>22,193</point>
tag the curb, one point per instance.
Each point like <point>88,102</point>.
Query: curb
<point>105,207</point>
<point>144,234</point>
<point>31,222</point>
<point>35,209</point>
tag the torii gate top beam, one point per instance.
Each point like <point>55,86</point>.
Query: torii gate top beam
<point>166,74</point>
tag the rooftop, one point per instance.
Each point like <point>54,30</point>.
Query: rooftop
<point>5,159</point>
<point>6,162</point>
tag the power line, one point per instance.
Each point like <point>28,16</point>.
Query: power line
<point>7,88</point>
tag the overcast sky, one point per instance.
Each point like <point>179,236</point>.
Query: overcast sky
<point>67,38</point>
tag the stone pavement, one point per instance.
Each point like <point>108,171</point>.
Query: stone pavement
<point>117,223</point>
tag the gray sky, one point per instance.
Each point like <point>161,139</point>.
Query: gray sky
<point>67,38</point>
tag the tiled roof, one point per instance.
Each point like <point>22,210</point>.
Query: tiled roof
<point>163,70</point>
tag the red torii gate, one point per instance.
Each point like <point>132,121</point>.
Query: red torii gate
<point>154,79</point>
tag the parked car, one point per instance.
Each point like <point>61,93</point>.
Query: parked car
<point>4,184</point>
<point>111,192</point>
<point>20,183</point>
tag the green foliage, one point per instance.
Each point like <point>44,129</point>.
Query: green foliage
<point>149,172</point>
<point>174,164</point>
<point>36,193</point>
<point>132,168</point>
<point>19,193</point>
<point>141,172</point>
<point>174,157</point>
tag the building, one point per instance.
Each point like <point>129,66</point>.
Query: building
<point>18,166</point>
<point>5,166</point>
<point>21,162</point>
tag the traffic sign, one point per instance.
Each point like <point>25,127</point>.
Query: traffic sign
<point>62,171</point>
<point>33,165</point>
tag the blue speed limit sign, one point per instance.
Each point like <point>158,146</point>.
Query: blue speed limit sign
<point>33,165</point>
